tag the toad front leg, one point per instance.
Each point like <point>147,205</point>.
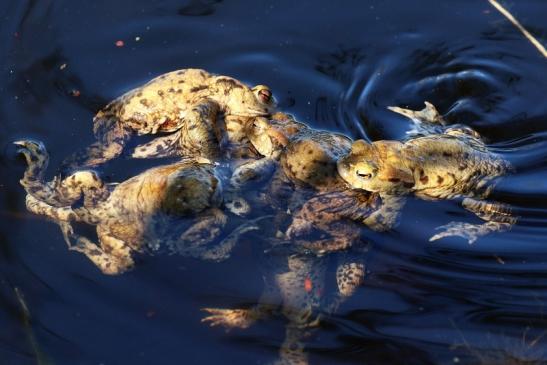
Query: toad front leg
<point>200,134</point>
<point>112,257</point>
<point>59,192</point>
<point>84,184</point>
<point>112,135</point>
<point>387,216</point>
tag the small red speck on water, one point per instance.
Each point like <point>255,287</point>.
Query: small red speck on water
<point>16,34</point>
<point>308,286</point>
<point>119,43</point>
<point>75,93</point>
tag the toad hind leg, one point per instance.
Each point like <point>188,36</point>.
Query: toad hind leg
<point>55,213</point>
<point>498,218</point>
<point>110,263</point>
<point>199,135</point>
<point>490,211</point>
<point>387,216</point>
<point>166,146</point>
<point>112,136</point>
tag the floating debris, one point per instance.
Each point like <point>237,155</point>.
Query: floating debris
<point>499,260</point>
<point>40,356</point>
<point>516,23</point>
<point>119,43</point>
<point>63,66</point>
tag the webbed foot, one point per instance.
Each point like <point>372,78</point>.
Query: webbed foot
<point>428,114</point>
<point>468,231</point>
<point>229,318</point>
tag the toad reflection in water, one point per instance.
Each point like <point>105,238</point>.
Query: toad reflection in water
<point>302,287</point>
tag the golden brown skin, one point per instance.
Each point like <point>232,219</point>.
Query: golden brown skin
<point>173,207</point>
<point>452,164</point>
<point>304,160</point>
<point>182,104</point>
<point>339,214</point>
<point>301,157</point>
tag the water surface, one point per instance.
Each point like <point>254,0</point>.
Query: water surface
<point>335,66</point>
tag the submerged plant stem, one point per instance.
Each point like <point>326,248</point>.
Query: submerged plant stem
<point>41,358</point>
<point>516,23</point>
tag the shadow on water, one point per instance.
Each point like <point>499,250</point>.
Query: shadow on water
<point>334,67</point>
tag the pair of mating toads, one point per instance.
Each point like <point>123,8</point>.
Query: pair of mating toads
<point>230,134</point>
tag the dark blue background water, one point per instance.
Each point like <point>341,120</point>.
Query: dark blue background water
<point>335,65</point>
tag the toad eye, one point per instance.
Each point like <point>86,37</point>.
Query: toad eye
<point>265,95</point>
<point>363,174</point>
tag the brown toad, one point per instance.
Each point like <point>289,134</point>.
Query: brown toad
<point>173,207</point>
<point>183,104</point>
<point>306,181</point>
<point>450,163</point>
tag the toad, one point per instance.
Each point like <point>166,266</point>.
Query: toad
<point>441,163</point>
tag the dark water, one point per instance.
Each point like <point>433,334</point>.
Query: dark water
<point>335,65</point>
